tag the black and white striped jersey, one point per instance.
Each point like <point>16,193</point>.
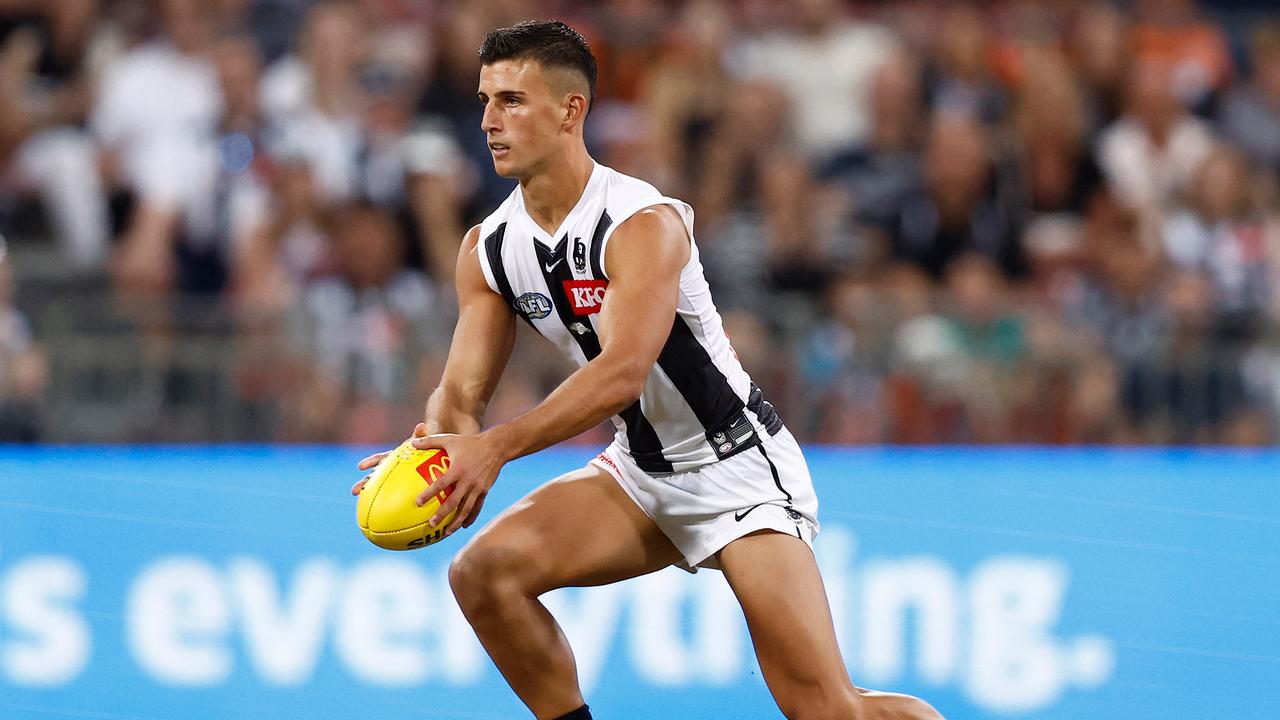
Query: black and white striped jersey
<point>698,404</point>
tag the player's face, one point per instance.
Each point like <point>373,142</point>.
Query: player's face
<point>523,116</point>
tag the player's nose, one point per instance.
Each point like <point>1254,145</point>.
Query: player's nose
<point>489,123</point>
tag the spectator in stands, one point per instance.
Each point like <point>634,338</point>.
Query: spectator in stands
<point>1058,171</point>
<point>314,100</point>
<point>1250,114</point>
<point>630,35</point>
<point>980,321</point>
<point>414,168</point>
<point>1150,154</point>
<point>288,248</point>
<point>1220,234</point>
<point>989,341</point>
<point>840,364</point>
<point>1097,46</point>
<point>245,174</point>
<point>1203,390</point>
<point>1052,133</point>
<point>809,229</point>
<point>44,79</point>
<point>785,232</point>
<point>960,77</point>
<point>623,139</point>
<point>157,116</point>
<point>1122,311</point>
<point>879,175</point>
<point>965,203</point>
<point>362,331</point>
<point>745,139</point>
<point>451,95</point>
<point>24,371</point>
<point>435,178</point>
<point>828,108</point>
<point>685,93</point>
<point>730,202</point>
<point>1172,33</point>
<point>923,379</point>
<point>994,222</point>
<point>413,164</point>
<point>1021,32</point>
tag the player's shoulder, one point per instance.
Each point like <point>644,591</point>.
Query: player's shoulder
<point>624,193</point>
<point>471,239</point>
<point>648,229</point>
<point>654,220</point>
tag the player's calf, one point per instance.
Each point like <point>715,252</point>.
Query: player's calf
<point>493,583</point>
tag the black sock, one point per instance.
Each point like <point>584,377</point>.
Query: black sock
<point>582,713</point>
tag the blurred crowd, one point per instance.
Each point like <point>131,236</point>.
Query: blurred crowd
<point>1043,221</point>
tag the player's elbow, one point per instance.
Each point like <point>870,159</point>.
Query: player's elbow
<point>626,383</point>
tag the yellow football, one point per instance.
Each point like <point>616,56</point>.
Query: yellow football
<point>386,509</point>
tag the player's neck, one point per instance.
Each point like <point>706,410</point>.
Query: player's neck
<point>551,194</point>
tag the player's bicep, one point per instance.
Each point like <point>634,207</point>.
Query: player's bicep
<point>645,257</point>
<point>484,335</point>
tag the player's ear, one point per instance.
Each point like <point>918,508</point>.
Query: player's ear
<point>575,108</point>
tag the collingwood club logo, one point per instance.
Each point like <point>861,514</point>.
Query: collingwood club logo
<point>722,440</point>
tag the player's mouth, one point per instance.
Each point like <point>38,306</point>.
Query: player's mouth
<point>498,149</point>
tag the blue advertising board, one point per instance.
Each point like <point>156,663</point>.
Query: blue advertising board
<point>231,582</point>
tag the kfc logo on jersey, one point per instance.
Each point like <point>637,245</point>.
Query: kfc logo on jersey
<point>585,296</point>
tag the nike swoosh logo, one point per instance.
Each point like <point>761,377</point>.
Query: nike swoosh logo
<point>552,266</point>
<point>744,513</point>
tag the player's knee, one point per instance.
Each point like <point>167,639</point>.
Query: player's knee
<point>482,574</point>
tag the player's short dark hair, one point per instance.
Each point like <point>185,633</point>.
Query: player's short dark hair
<point>550,43</point>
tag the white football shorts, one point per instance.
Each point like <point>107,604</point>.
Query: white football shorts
<point>766,487</point>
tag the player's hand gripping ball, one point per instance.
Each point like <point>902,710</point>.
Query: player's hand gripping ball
<point>387,511</point>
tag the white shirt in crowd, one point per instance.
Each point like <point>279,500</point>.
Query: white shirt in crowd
<point>1143,174</point>
<point>331,145</point>
<point>829,108</point>
<point>159,110</point>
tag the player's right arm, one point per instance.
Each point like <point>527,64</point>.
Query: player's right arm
<point>482,343</point>
<point>481,346</point>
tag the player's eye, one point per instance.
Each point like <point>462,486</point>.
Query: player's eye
<point>513,101</point>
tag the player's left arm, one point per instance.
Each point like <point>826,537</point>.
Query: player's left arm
<point>645,257</point>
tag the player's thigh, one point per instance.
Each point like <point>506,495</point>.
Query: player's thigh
<point>775,577</point>
<point>579,529</point>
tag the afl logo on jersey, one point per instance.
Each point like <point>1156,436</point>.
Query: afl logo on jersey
<point>585,296</point>
<point>534,306</point>
<point>579,255</point>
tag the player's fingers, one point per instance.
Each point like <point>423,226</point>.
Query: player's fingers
<point>475,511</point>
<point>428,442</point>
<point>355,489</point>
<point>448,506</point>
<point>444,482</point>
<point>372,460</point>
<point>465,511</point>
<point>420,430</point>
